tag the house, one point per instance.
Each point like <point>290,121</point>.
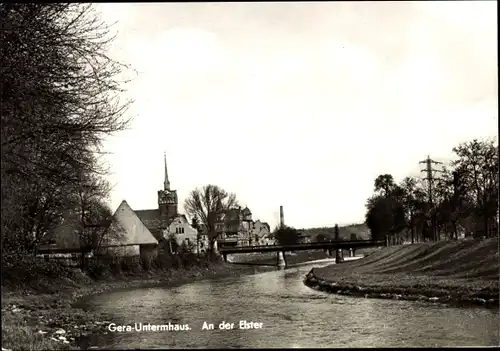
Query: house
<point>128,236</point>
<point>304,238</point>
<point>124,235</point>
<point>66,234</point>
<point>180,229</point>
<point>236,227</point>
<point>262,233</point>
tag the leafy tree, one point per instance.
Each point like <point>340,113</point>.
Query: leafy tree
<point>379,217</point>
<point>287,236</point>
<point>385,210</point>
<point>384,183</point>
<point>477,162</point>
<point>414,204</point>
<point>208,204</point>
<point>465,197</point>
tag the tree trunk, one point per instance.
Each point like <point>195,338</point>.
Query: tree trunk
<point>486,225</point>
<point>412,225</point>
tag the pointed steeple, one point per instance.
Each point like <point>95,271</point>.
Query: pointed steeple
<point>166,183</point>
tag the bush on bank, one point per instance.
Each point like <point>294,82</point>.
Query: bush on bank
<point>32,273</point>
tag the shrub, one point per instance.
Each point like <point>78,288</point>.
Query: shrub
<point>130,264</point>
<point>97,268</point>
<point>162,261</point>
<point>176,261</point>
<point>28,268</point>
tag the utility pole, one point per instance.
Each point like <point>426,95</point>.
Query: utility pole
<point>430,183</point>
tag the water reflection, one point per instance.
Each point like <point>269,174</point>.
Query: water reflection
<point>292,315</point>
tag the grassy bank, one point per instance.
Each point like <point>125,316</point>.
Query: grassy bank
<point>458,272</point>
<point>41,315</point>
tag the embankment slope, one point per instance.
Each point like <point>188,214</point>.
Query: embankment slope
<point>457,271</point>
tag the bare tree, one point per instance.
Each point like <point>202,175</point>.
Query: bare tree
<point>207,204</point>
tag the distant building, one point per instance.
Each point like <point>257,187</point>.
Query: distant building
<point>304,238</point>
<point>262,234</point>
<point>237,228</point>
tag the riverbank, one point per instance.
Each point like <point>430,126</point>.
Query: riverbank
<point>48,321</point>
<point>452,272</point>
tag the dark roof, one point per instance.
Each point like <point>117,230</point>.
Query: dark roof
<point>153,221</point>
<point>232,214</point>
<point>246,210</point>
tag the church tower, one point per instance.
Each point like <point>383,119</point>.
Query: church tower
<point>167,198</point>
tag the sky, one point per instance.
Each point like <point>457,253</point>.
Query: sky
<point>298,104</point>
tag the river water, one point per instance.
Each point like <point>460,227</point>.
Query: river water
<point>292,315</point>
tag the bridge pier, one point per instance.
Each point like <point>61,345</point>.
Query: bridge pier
<point>281,259</point>
<point>225,257</point>
<point>339,256</point>
<point>351,252</point>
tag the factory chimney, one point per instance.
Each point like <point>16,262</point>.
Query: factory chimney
<point>282,218</point>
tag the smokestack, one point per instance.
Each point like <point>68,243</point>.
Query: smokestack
<point>282,218</point>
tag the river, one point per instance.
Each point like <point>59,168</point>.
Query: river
<point>292,316</point>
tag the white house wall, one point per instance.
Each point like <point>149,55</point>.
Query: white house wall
<point>182,230</point>
<point>121,251</point>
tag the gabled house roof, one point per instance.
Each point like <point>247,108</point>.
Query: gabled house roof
<point>129,228</point>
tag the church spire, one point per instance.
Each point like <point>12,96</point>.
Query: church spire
<point>166,183</point>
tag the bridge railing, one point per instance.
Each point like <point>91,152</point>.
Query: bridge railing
<point>311,245</point>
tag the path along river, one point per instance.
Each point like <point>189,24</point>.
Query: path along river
<point>292,315</point>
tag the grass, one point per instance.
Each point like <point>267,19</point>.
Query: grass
<point>47,305</point>
<point>456,271</point>
<point>17,336</point>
